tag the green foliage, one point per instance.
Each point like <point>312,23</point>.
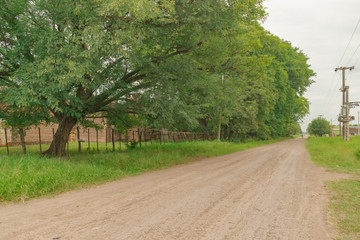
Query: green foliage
<point>357,154</point>
<point>319,127</point>
<point>80,58</point>
<point>161,61</point>
<point>131,145</point>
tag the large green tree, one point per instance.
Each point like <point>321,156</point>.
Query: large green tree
<point>319,126</point>
<point>250,85</point>
<point>81,58</point>
<point>262,95</point>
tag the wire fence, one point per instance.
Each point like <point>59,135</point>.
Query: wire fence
<point>94,140</point>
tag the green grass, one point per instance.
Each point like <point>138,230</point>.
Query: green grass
<point>335,153</point>
<point>337,132</point>
<point>24,177</point>
<point>341,156</point>
<point>73,148</point>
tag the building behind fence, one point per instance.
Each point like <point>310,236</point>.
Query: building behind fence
<point>45,134</point>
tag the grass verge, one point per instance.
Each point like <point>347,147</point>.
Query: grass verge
<point>24,177</point>
<point>341,156</point>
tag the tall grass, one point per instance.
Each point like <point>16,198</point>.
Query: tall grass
<point>23,177</point>
<point>341,156</point>
<point>335,153</point>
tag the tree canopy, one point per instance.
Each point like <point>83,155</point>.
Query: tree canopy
<point>319,126</point>
<point>161,60</point>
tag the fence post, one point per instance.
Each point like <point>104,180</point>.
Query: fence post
<point>160,137</point>
<point>78,138</point>
<point>139,136</point>
<point>88,139</point>
<point>97,139</point>
<point>22,139</point>
<point>145,136</point>
<point>126,139</point>
<point>119,140</point>
<point>40,141</point>
<point>113,139</point>
<point>106,137</point>
<point>6,141</point>
<point>151,134</point>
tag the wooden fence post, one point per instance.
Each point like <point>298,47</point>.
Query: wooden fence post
<point>97,139</point>
<point>40,141</point>
<point>139,136</point>
<point>78,138</point>
<point>22,139</point>
<point>6,142</point>
<point>145,136</point>
<point>119,140</point>
<point>106,137</point>
<point>127,138</point>
<point>88,139</point>
<point>113,139</point>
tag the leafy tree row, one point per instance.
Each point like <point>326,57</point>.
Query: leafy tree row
<point>183,65</point>
<point>251,87</point>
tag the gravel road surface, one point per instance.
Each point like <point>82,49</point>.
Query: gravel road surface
<point>269,192</point>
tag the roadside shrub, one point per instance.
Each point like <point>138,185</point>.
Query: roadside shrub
<point>357,154</point>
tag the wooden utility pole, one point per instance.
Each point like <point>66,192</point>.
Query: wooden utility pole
<point>345,108</point>
<point>339,126</point>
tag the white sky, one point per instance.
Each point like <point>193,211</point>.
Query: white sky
<point>322,29</point>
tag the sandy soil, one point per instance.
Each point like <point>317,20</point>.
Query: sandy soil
<point>270,192</point>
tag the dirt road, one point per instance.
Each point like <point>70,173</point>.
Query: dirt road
<point>270,192</point>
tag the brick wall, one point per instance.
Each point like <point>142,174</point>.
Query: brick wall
<point>46,132</point>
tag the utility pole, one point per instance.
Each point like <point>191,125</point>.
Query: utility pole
<point>345,108</point>
<point>339,126</point>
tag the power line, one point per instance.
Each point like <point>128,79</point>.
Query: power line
<point>352,35</point>
<point>353,55</point>
<point>345,118</point>
<point>331,87</point>
<point>357,60</point>
<point>335,87</point>
<point>334,96</point>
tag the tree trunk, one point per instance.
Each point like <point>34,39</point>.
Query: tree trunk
<point>219,127</point>
<point>22,140</point>
<point>58,145</point>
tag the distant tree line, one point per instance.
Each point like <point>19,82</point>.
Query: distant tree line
<point>184,65</point>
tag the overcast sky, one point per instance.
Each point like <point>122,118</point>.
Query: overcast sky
<point>322,30</point>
